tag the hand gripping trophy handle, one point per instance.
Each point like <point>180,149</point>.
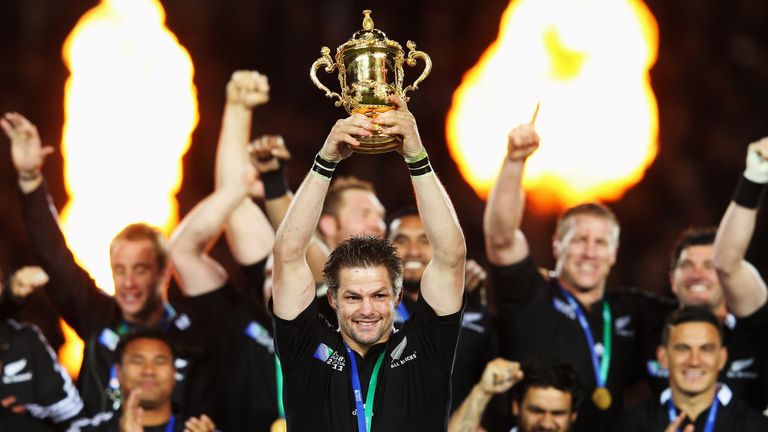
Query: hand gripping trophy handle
<point>413,54</point>
<point>324,60</point>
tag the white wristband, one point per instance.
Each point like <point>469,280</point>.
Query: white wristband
<point>757,167</point>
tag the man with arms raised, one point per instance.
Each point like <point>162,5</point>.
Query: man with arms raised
<point>568,316</point>
<point>693,352</point>
<point>744,290</point>
<point>139,270</point>
<point>363,376</point>
<point>740,308</point>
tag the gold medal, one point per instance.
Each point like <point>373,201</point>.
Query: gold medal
<point>602,398</point>
<point>279,425</point>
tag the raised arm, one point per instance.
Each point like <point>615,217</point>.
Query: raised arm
<point>744,289</point>
<point>270,156</point>
<point>72,290</point>
<point>27,151</point>
<point>498,377</point>
<point>442,283</point>
<point>504,242</point>
<point>245,236</point>
<point>25,281</point>
<point>197,272</point>
<point>294,287</point>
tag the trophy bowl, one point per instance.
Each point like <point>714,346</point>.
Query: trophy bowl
<point>370,70</point>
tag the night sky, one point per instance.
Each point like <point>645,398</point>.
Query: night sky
<point>710,80</point>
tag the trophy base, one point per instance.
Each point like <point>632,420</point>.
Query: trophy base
<point>377,143</point>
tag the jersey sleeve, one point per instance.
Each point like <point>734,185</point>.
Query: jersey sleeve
<point>254,279</point>
<point>515,283</point>
<point>56,398</point>
<point>295,339</point>
<point>437,335</point>
<point>71,289</point>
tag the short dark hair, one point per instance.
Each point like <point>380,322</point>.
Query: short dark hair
<point>694,236</point>
<point>399,214</point>
<point>142,231</point>
<point>548,373</point>
<point>591,209</point>
<point>363,251</point>
<point>335,195</point>
<point>690,314</point>
<point>153,333</point>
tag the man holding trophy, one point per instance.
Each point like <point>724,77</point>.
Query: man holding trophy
<point>363,376</point>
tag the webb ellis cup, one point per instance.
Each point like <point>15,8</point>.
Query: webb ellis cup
<point>370,70</point>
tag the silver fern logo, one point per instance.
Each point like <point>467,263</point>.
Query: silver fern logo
<point>398,351</point>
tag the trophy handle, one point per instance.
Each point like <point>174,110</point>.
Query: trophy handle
<point>411,60</point>
<point>324,60</point>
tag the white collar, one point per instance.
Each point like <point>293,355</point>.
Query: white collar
<point>724,394</point>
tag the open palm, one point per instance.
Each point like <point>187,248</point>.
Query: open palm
<point>27,152</point>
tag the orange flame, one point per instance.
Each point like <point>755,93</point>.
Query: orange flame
<point>587,62</point>
<point>130,107</point>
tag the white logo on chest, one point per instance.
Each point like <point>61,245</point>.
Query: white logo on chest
<point>397,354</point>
<point>12,372</point>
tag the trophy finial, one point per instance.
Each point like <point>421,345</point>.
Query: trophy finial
<point>367,20</point>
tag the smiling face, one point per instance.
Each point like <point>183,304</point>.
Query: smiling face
<point>138,278</point>
<point>694,356</point>
<point>585,252</point>
<point>694,279</point>
<point>408,236</point>
<point>147,364</point>
<point>365,306</point>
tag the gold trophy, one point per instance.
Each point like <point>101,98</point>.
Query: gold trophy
<point>370,70</point>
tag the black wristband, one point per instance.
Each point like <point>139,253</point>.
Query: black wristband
<point>420,167</point>
<point>275,183</point>
<point>748,193</point>
<point>324,167</point>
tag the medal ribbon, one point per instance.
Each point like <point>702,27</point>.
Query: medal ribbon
<point>601,367</point>
<point>711,415</point>
<point>171,424</point>
<point>113,385</point>
<point>279,379</point>
<point>363,422</point>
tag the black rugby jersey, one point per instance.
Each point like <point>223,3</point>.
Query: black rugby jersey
<point>413,390</point>
<point>241,353</point>
<point>536,321</point>
<point>733,415</point>
<point>746,370</point>
<point>96,316</point>
<point>478,344</point>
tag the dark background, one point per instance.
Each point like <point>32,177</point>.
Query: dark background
<point>710,80</point>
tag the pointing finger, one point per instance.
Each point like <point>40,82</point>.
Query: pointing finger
<point>535,114</point>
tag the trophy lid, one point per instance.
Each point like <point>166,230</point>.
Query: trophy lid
<point>368,32</point>
<point>368,35</point>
